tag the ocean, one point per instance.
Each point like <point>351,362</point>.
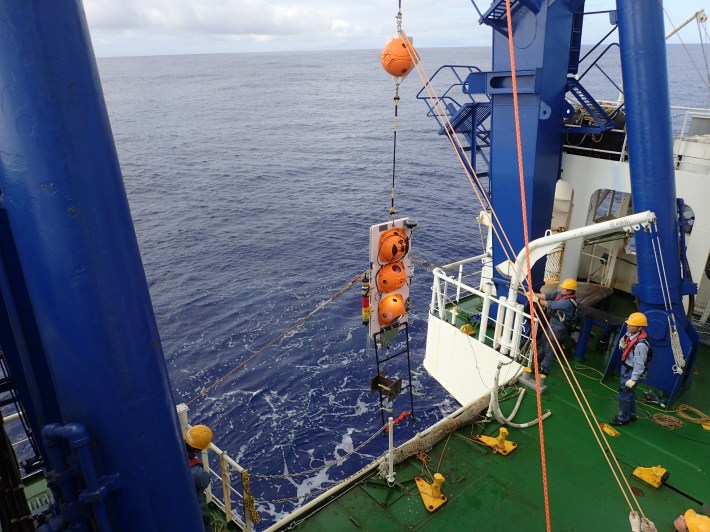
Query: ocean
<point>253,180</point>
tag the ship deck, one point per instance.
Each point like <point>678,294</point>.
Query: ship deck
<point>488,491</point>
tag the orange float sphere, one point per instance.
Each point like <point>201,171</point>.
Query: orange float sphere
<point>395,57</point>
<point>394,245</point>
<point>391,277</point>
<point>390,309</point>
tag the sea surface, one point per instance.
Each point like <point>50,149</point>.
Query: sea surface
<point>253,180</point>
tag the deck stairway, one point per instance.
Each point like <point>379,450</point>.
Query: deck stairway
<point>602,121</point>
<point>496,16</point>
<point>461,113</point>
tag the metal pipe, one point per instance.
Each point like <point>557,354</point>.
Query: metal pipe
<point>538,248</point>
<point>390,455</point>
<point>699,15</point>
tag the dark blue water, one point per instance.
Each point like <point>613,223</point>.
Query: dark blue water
<point>253,180</point>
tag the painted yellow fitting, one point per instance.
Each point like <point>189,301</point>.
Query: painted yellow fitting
<point>467,329</point>
<point>655,476</point>
<point>436,485</point>
<point>431,493</point>
<point>499,444</point>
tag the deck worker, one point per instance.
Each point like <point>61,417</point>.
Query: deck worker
<point>641,524</point>
<point>635,351</point>
<point>563,304</point>
<point>197,439</point>
<point>691,521</point>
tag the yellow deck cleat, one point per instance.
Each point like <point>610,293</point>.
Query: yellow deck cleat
<point>655,476</point>
<point>431,493</point>
<point>500,444</point>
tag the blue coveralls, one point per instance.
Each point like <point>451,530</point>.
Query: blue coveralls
<point>561,308</point>
<point>632,368</point>
<point>201,478</point>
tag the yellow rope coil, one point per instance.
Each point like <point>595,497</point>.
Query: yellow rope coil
<point>667,421</point>
<point>249,507</point>
<point>697,416</point>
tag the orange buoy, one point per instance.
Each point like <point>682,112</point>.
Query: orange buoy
<point>395,57</point>
<point>390,309</point>
<point>391,277</point>
<point>394,245</point>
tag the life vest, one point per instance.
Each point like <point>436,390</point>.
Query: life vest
<point>642,337</point>
<point>561,315</point>
<point>194,461</point>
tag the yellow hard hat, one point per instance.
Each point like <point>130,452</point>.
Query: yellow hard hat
<point>199,437</point>
<point>637,319</point>
<point>569,284</point>
<point>697,523</point>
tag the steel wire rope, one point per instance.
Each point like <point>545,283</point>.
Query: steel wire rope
<point>596,429</point>
<point>453,138</point>
<point>337,461</point>
<point>297,324</point>
<point>690,57</point>
<point>305,408</point>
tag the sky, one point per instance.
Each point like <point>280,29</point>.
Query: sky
<point>170,27</point>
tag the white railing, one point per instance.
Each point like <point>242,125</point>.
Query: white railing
<point>448,292</point>
<point>222,474</point>
<point>689,113</point>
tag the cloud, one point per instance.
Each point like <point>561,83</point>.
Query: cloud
<point>145,27</point>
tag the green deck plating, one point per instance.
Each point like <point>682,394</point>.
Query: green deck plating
<point>487,491</point>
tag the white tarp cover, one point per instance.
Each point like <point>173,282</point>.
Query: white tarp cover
<point>463,366</point>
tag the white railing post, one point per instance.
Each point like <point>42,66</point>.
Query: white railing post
<point>224,473</point>
<point>499,322</point>
<point>182,410</point>
<point>390,455</point>
<point>458,286</point>
<point>505,341</point>
<point>487,291</point>
<point>434,292</point>
<point>205,456</point>
<point>517,330</point>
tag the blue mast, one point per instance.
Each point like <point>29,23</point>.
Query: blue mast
<point>649,134</point>
<point>77,322</point>
<point>546,48</point>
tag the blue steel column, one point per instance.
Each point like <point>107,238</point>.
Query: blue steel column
<point>542,52</point>
<point>63,194</point>
<point>648,122</point>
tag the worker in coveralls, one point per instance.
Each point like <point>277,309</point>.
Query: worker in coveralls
<point>563,305</point>
<point>635,351</point>
<point>197,439</point>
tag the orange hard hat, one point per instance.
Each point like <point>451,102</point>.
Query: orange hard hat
<point>394,245</point>
<point>390,309</point>
<point>396,58</point>
<point>391,277</point>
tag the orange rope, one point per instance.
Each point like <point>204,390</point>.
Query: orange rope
<point>521,173</point>
<point>440,112</point>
